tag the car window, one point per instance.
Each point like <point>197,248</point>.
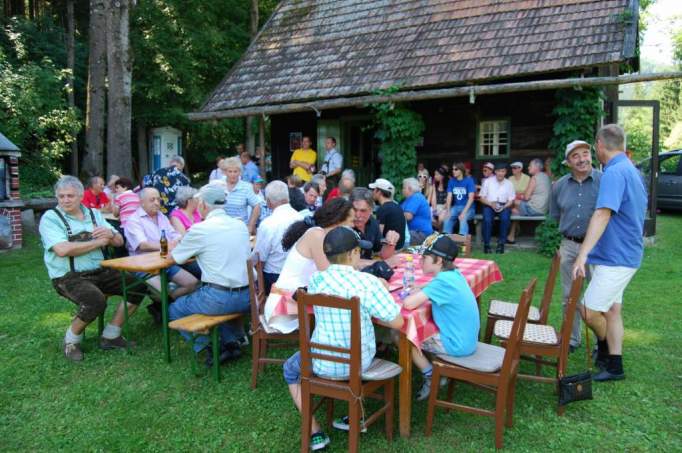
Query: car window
<point>670,165</point>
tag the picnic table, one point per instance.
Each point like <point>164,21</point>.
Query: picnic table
<point>418,324</point>
<point>151,263</point>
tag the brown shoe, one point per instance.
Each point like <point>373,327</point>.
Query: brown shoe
<point>72,351</point>
<point>115,343</point>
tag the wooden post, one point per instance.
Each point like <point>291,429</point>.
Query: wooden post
<point>261,144</point>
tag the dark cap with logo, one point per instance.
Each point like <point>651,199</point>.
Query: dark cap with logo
<point>441,245</point>
<point>343,239</point>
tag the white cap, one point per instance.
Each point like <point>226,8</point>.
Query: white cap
<point>517,164</point>
<point>383,184</point>
<point>575,144</point>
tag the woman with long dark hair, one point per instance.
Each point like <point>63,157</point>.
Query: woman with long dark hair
<point>439,195</point>
<point>303,240</point>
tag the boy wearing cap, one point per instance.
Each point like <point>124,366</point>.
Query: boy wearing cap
<point>453,306</point>
<point>332,326</point>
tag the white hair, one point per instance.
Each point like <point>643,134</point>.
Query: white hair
<point>412,184</point>
<point>277,192</point>
<point>231,162</point>
<point>348,174</point>
<point>183,195</point>
<point>538,163</point>
<point>177,160</point>
<point>69,181</point>
<point>147,190</point>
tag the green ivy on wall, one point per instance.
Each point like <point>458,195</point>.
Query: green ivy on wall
<point>399,131</point>
<point>577,112</point>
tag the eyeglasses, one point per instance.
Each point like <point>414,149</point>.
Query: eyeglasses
<point>422,177</point>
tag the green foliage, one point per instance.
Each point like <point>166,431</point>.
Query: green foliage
<point>548,237</point>
<point>577,114</point>
<point>399,130</point>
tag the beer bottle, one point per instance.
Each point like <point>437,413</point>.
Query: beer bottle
<point>163,242</point>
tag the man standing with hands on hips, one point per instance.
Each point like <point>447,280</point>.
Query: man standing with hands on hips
<point>613,247</point>
<point>572,204</point>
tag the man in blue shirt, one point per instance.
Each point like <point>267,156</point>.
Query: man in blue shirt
<point>250,170</point>
<point>613,248</point>
<point>417,211</point>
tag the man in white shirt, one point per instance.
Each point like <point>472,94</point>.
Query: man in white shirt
<point>333,162</point>
<point>497,197</point>
<point>220,245</point>
<point>268,246</point>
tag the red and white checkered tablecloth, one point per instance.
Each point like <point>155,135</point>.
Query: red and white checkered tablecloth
<point>419,325</point>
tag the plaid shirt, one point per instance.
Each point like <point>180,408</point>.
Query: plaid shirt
<point>332,326</point>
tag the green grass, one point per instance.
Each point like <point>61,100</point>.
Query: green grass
<point>115,402</point>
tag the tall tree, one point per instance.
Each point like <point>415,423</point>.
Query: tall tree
<point>120,74</point>
<point>71,66</point>
<point>93,161</point>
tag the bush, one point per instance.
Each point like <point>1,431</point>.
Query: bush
<point>548,237</point>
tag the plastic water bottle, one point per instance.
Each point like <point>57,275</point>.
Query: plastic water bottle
<point>408,275</point>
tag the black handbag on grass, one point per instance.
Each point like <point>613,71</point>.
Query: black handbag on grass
<point>577,387</point>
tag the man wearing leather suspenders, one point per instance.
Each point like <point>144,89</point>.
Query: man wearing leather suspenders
<point>73,237</point>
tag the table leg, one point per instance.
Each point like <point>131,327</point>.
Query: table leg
<point>164,313</point>
<point>125,311</point>
<point>405,391</point>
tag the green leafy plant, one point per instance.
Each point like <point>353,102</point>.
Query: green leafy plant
<point>399,130</point>
<point>577,114</point>
<point>548,237</point>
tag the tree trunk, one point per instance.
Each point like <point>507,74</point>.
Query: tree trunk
<point>70,64</point>
<point>250,136</point>
<point>93,161</point>
<point>119,155</point>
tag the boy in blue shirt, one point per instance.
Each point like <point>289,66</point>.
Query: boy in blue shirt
<point>453,307</point>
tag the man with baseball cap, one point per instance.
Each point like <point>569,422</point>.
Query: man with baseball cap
<point>224,284</point>
<point>342,247</point>
<point>613,247</point>
<point>389,214</point>
<point>571,205</point>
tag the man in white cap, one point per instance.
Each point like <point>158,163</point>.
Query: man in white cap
<point>389,214</point>
<point>571,205</point>
<point>224,285</point>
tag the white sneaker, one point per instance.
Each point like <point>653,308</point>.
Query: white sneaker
<point>424,392</point>
<point>343,424</point>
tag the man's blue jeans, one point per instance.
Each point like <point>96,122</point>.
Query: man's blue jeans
<point>212,301</point>
<point>505,219</point>
<point>454,214</point>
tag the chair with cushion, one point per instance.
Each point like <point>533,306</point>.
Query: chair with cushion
<point>542,340</point>
<point>260,333</point>
<point>491,368</point>
<point>507,310</point>
<point>464,243</point>
<point>356,386</point>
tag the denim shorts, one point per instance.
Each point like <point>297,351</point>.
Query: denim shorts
<point>527,211</point>
<point>292,369</point>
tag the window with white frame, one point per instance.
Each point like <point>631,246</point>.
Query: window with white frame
<point>493,138</point>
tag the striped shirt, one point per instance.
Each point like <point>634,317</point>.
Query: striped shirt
<point>127,203</point>
<point>241,196</point>
<point>332,326</point>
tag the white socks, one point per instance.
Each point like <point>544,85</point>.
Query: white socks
<point>72,338</point>
<point>111,331</point>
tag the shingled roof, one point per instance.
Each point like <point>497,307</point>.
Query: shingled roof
<point>311,50</point>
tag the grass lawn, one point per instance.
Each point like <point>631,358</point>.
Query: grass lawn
<point>115,402</point>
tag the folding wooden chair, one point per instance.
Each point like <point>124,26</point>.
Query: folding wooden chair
<point>260,333</point>
<point>542,340</point>
<point>507,310</point>
<point>464,243</point>
<point>491,368</point>
<point>359,384</point>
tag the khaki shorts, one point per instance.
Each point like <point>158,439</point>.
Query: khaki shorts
<point>607,286</point>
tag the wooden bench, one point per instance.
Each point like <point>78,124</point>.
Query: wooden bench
<point>478,221</point>
<point>204,325</point>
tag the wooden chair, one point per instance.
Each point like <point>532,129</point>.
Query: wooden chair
<point>464,243</point>
<point>499,309</point>
<point>491,368</point>
<point>542,340</point>
<point>359,384</point>
<point>260,334</point>
<point>198,324</point>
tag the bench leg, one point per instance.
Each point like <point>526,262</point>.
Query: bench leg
<point>195,355</point>
<point>216,354</point>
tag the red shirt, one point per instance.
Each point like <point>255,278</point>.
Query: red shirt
<point>334,193</point>
<point>93,201</point>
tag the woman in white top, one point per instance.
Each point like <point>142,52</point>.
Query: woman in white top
<point>304,240</point>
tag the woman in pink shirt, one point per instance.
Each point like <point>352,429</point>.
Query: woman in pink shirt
<point>185,215</point>
<point>126,201</point>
